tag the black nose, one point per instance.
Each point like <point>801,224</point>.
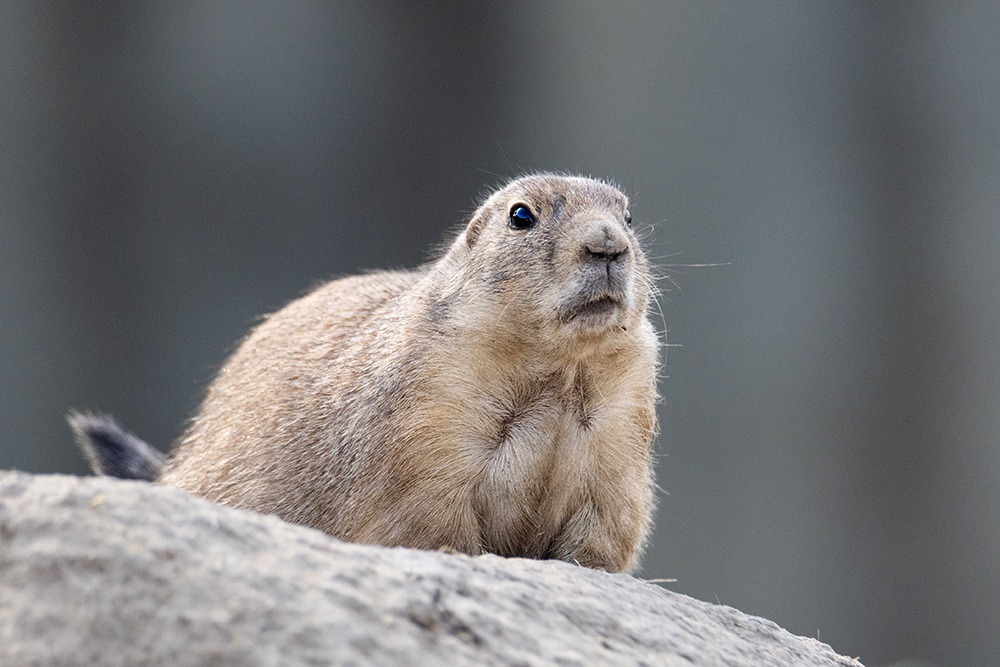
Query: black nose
<point>606,245</point>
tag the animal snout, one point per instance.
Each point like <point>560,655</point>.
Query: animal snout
<point>606,245</point>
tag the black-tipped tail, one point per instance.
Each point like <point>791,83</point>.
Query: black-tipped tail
<point>113,451</point>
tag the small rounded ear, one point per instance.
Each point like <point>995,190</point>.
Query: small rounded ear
<point>474,228</point>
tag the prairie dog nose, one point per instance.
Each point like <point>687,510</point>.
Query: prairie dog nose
<point>606,244</point>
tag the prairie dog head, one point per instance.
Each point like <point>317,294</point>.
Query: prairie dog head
<point>556,256</point>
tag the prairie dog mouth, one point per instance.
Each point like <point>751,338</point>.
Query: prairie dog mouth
<point>592,310</point>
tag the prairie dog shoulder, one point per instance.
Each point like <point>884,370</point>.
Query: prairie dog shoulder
<point>500,399</point>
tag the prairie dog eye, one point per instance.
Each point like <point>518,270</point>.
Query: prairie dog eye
<point>521,217</point>
<point>628,218</point>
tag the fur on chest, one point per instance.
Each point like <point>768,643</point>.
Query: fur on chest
<point>533,454</point>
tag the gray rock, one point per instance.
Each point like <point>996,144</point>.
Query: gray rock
<point>102,571</point>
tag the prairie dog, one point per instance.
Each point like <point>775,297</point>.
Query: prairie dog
<point>499,399</point>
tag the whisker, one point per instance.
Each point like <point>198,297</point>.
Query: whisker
<point>671,280</point>
<point>659,257</point>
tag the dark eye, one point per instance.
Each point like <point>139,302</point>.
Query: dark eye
<point>628,218</point>
<point>521,217</point>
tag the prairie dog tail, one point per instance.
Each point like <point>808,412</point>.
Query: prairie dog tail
<point>113,451</point>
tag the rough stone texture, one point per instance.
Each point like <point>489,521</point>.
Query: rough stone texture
<point>101,571</point>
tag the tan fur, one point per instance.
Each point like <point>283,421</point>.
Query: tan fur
<point>460,405</point>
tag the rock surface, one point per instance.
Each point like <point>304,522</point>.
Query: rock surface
<point>101,571</point>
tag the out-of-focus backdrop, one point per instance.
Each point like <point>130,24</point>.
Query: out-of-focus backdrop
<point>830,455</point>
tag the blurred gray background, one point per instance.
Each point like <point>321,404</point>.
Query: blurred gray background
<point>831,417</point>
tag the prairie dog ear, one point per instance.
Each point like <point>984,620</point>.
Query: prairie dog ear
<point>474,228</point>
